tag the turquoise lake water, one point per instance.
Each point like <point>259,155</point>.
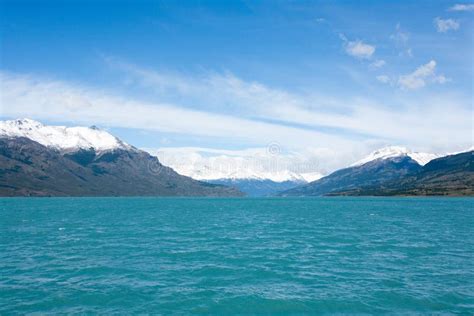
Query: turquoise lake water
<point>237,256</point>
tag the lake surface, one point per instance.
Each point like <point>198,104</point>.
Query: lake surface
<point>228,256</point>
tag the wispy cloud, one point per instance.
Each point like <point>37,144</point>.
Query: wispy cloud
<point>383,78</point>
<point>239,96</point>
<point>400,36</point>
<point>421,76</point>
<point>462,7</point>
<point>378,63</point>
<point>446,25</point>
<point>408,52</point>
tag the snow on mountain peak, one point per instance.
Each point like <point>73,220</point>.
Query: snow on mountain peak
<point>243,174</point>
<point>255,164</point>
<point>62,137</point>
<point>396,151</point>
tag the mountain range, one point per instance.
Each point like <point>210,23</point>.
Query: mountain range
<point>40,160</point>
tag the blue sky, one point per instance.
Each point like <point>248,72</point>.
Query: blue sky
<point>334,77</point>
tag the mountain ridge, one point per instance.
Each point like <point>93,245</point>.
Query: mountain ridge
<point>397,175</point>
<point>370,173</point>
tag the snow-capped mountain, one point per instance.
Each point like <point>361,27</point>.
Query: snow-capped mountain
<point>397,175</point>
<point>396,151</point>
<point>61,137</point>
<point>40,160</point>
<point>379,168</point>
<point>233,168</point>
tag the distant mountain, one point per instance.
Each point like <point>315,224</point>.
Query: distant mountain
<point>396,171</point>
<point>39,160</point>
<point>255,172</point>
<point>258,187</point>
<point>450,175</point>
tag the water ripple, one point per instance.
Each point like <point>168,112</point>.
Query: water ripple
<point>237,256</point>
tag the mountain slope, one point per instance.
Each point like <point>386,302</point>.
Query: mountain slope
<point>450,175</point>
<point>71,168</point>
<point>371,173</point>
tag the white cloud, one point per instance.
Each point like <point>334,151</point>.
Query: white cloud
<point>378,63</point>
<point>444,26</point>
<point>238,95</point>
<point>359,49</point>
<point>421,76</point>
<point>462,7</point>
<point>383,78</point>
<point>58,101</point>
